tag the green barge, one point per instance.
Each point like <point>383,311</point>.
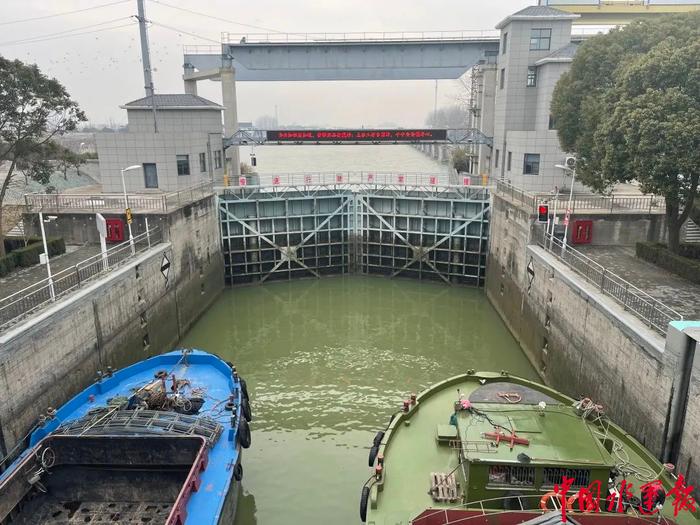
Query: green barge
<point>491,448</point>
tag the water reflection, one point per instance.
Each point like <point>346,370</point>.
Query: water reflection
<point>245,515</point>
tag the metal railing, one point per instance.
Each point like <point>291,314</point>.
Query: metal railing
<point>373,178</point>
<point>138,202</point>
<point>361,36</point>
<point>33,297</point>
<point>524,506</point>
<point>617,202</point>
<point>652,312</point>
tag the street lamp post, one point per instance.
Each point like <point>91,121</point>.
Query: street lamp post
<point>568,206</point>
<point>127,211</point>
<point>46,256</point>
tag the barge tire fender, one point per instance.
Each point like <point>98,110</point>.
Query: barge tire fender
<point>243,433</point>
<point>245,410</point>
<point>244,388</point>
<point>363,503</point>
<point>378,438</point>
<point>238,472</point>
<point>373,454</point>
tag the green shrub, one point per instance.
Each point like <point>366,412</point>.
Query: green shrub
<point>29,255</point>
<point>659,254</point>
<point>56,246</point>
<point>7,264</point>
<point>15,243</point>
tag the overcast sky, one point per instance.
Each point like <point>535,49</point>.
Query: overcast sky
<point>101,70</point>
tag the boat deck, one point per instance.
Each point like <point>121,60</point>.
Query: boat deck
<point>52,511</point>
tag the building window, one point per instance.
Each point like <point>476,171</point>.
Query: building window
<point>552,122</point>
<point>505,43</point>
<point>217,159</point>
<point>540,39</point>
<point>503,78</point>
<point>183,164</point>
<point>531,76</point>
<point>510,159</point>
<point>531,165</point>
<point>202,162</point>
<point>498,154</point>
<point>150,175</point>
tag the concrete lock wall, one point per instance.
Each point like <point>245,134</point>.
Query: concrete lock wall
<point>582,342</point>
<point>128,315</point>
<point>683,340</point>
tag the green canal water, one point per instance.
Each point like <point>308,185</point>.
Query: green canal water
<point>327,362</point>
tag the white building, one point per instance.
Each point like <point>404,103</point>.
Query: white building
<point>187,148</point>
<point>513,98</point>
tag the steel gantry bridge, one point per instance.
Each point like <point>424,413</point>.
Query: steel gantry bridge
<point>389,224</point>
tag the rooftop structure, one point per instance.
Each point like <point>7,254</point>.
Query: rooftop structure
<point>171,102</point>
<point>614,12</point>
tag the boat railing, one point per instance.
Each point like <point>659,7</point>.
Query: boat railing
<point>490,507</point>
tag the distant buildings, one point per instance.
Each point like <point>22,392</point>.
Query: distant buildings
<point>187,149</point>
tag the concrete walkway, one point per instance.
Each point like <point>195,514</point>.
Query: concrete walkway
<point>672,290</point>
<point>20,279</point>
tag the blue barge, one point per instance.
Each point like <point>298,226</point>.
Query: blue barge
<point>158,442</point>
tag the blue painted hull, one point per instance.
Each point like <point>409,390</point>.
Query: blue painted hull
<point>212,434</point>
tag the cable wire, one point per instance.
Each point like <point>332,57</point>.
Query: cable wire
<point>65,13</point>
<point>44,36</point>
<point>171,28</point>
<point>64,36</point>
<point>215,17</point>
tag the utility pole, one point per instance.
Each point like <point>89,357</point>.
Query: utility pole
<point>146,60</point>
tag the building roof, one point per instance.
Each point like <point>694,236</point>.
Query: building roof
<point>173,101</point>
<point>537,12</point>
<point>561,55</point>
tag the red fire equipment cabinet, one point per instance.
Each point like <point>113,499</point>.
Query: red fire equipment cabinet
<point>583,232</point>
<point>115,230</point>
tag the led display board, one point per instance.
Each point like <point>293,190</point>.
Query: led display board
<point>357,135</point>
